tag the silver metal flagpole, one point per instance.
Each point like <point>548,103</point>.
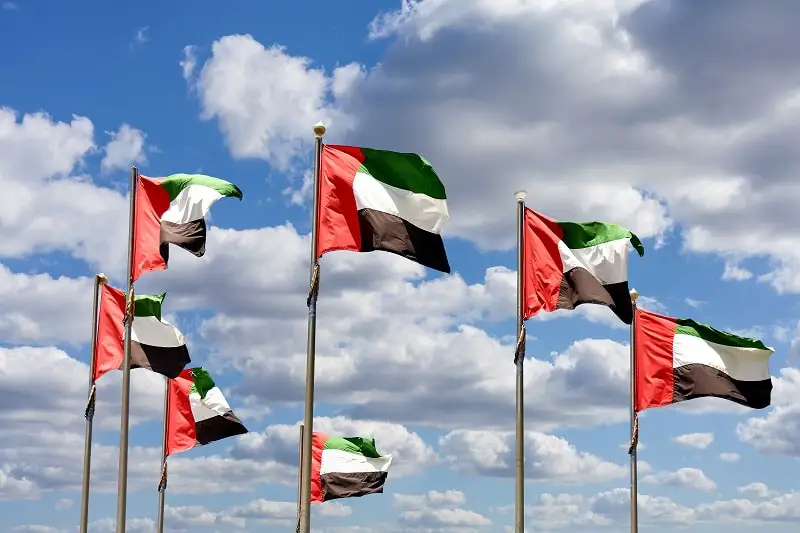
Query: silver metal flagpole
<point>122,476</point>
<point>99,280</point>
<point>519,358</point>
<point>308,417</point>
<point>299,473</point>
<point>162,483</point>
<point>634,424</point>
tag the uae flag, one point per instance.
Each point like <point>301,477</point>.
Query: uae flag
<point>197,412</point>
<point>380,200</point>
<point>156,344</point>
<point>678,359</point>
<point>172,210</point>
<point>346,467</point>
<point>566,264</point>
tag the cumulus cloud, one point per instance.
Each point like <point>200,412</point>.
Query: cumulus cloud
<point>125,148</point>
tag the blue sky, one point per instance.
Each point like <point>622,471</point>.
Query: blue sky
<point>594,107</point>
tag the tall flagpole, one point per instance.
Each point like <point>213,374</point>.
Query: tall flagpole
<point>519,359</point>
<point>162,483</point>
<point>304,525</point>
<point>634,424</point>
<point>299,473</point>
<point>99,280</point>
<point>122,475</point>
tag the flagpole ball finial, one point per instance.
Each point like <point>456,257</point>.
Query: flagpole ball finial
<point>520,195</point>
<point>319,129</point>
<point>102,278</point>
<point>634,295</point>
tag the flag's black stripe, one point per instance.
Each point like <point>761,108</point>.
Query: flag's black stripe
<point>351,485</point>
<point>697,380</point>
<point>191,236</point>
<point>167,361</point>
<point>218,427</point>
<point>390,233</point>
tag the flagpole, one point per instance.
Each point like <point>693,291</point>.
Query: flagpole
<point>122,475</point>
<point>99,280</point>
<point>299,473</point>
<point>519,358</point>
<point>634,497</point>
<point>308,417</point>
<point>162,483</point>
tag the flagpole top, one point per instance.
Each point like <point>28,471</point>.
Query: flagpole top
<point>319,129</point>
<point>520,195</point>
<point>634,295</point>
<point>102,278</point>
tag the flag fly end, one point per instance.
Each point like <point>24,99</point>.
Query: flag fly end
<point>319,129</point>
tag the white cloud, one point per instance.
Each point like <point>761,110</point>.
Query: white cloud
<point>691,302</point>
<point>189,63</point>
<point>63,503</point>
<point>549,459</point>
<point>757,489</point>
<point>730,457</point>
<point>437,510</point>
<point>685,478</point>
<point>126,148</point>
<point>701,441</point>
<point>266,101</point>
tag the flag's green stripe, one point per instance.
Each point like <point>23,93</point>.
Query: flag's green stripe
<point>175,183</point>
<point>687,326</point>
<point>202,382</point>
<point>354,445</point>
<point>148,305</point>
<point>585,234</point>
<point>404,171</point>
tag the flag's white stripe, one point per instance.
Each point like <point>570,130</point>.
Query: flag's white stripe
<point>421,210</point>
<point>608,262</point>
<point>192,203</point>
<point>745,364</point>
<point>214,404</point>
<point>154,332</point>
<point>338,461</point>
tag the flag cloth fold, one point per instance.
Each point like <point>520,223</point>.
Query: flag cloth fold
<point>678,359</point>
<point>197,412</point>
<point>346,467</point>
<point>172,210</point>
<point>156,344</point>
<point>566,264</point>
<point>380,200</point>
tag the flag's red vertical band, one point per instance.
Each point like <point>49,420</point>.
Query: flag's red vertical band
<point>109,351</point>
<point>338,227</point>
<point>181,430</point>
<point>318,444</point>
<point>152,201</point>
<point>655,381</point>
<point>542,265</point>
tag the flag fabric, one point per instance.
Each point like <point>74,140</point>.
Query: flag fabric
<point>346,467</point>
<point>381,200</point>
<point>156,344</point>
<point>197,412</point>
<point>678,359</point>
<point>172,210</point>
<point>110,330</point>
<point>566,264</point>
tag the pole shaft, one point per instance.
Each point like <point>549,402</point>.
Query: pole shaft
<point>519,506</point>
<point>87,446</point>
<point>122,476</point>
<point>300,471</point>
<point>634,497</point>
<point>163,489</point>
<point>308,417</point>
